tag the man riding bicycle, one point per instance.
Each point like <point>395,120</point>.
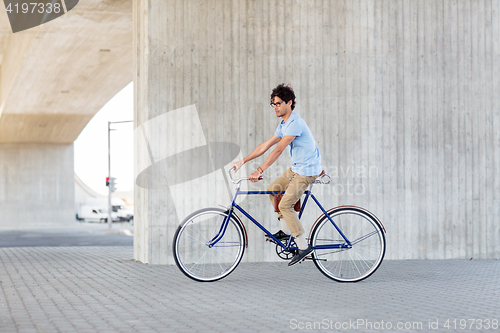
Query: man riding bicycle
<point>293,132</point>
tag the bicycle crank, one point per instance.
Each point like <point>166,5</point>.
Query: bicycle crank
<point>286,254</point>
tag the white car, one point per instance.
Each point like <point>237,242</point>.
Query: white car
<point>94,214</point>
<point>124,213</point>
<point>96,210</point>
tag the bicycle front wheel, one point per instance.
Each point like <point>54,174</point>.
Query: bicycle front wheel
<point>343,263</point>
<point>192,253</point>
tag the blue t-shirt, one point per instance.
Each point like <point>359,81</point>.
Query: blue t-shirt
<point>306,160</point>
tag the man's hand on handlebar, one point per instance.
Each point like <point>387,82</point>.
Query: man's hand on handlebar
<point>255,176</point>
<point>237,165</point>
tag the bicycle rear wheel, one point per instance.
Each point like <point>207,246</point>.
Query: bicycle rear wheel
<point>192,253</point>
<point>367,239</point>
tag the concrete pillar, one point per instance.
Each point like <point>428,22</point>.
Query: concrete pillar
<point>36,185</point>
<point>401,97</point>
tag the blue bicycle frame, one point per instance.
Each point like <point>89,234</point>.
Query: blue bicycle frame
<point>308,194</point>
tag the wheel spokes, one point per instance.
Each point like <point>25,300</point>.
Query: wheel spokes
<point>193,254</point>
<point>364,254</point>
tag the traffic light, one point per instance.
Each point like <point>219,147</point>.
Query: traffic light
<point>112,184</point>
<point>107,181</point>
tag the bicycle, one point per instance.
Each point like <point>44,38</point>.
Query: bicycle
<point>348,241</point>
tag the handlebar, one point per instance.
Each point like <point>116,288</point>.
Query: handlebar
<point>322,179</point>
<point>237,181</point>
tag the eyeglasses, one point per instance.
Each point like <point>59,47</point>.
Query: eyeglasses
<point>273,105</point>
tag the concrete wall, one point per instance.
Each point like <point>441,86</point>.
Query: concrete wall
<point>36,186</point>
<point>402,97</point>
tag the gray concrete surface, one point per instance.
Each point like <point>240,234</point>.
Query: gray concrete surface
<point>36,185</point>
<point>55,77</point>
<point>101,289</point>
<point>401,96</point>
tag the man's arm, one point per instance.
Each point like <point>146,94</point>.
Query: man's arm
<point>259,150</point>
<point>285,141</point>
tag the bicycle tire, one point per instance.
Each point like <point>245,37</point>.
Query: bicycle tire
<point>366,236</point>
<point>195,258</point>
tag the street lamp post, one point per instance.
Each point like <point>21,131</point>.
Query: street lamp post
<point>110,179</point>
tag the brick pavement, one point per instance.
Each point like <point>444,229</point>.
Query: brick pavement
<point>100,289</point>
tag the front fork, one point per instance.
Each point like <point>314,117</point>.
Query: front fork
<point>222,230</point>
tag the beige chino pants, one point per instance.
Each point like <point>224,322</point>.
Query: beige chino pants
<point>294,186</point>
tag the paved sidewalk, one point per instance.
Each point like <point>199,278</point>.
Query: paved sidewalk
<point>100,289</point>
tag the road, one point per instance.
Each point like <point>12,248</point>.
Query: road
<point>82,234</point>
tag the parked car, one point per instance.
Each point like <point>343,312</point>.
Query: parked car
<point>95,214</point>
<point>96,210</point>
<point>124,212</point>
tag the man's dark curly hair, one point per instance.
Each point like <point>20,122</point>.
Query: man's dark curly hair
<point>285,92</point>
